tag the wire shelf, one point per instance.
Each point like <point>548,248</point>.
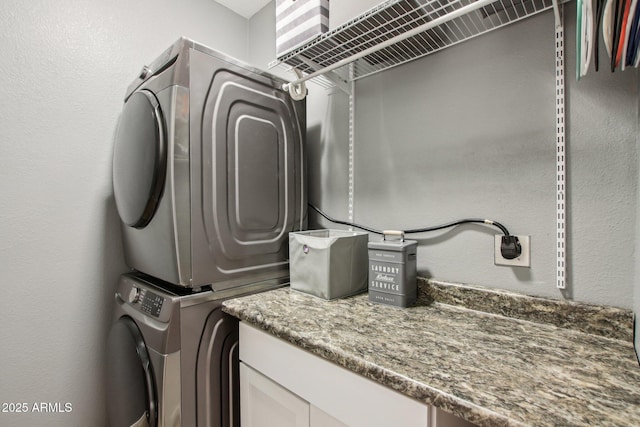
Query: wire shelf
<point>399,31</point>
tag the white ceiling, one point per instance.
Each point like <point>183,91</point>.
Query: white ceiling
<point>244,8</point>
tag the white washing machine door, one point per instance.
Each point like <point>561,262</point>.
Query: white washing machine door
<point>131,390</point>
<point>139,159</point>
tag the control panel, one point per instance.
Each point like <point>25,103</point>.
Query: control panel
<point>148,302</point>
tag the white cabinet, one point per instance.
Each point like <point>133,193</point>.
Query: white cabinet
<point>319,418</point>
<point>279,382</point>
<point>264,403</point>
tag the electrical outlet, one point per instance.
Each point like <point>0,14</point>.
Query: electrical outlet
<point>524,260</point>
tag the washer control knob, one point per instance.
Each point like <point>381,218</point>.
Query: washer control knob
<point>134,295</point>
<point>144,73</point>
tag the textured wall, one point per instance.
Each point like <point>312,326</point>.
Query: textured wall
<point>636,289</point>
<point>469,132</point>
<point>327,122</point>
<point>65,67</point>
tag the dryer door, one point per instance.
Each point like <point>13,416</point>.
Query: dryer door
<point>139,159</point>
<point>131,392</point>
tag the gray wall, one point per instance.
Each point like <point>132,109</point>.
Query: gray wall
<point>636,289</point>
<point>64,70</point>
<point>469,132</point>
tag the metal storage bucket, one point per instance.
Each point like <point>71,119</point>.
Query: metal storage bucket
<point>328,263</point>
<point>392,270</point>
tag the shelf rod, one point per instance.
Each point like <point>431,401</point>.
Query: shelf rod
<point>335,79</point>
<point>424,27</point>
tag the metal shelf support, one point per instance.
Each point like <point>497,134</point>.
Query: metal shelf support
<point>561,157</point>
<point>399,31</point>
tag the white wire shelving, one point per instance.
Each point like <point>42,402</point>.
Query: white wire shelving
<point>399,31</point>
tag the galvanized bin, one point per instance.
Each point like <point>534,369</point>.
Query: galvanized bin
<point>393,271</point>
<point>328,263</point>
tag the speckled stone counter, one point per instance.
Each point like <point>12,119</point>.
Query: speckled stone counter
<point>490,367</point>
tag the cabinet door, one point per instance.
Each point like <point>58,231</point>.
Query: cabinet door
<point>354,400</point>
<point>319,418</point>
<point>264,403</point>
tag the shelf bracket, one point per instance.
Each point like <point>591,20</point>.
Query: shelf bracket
<point>338,82</point>
<point>332,76</point>
<point>557,12</point>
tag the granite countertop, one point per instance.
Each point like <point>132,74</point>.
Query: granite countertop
<point>491,357</point>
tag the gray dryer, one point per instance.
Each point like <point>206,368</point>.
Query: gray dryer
<point>209,170</point>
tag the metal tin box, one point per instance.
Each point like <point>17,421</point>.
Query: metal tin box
<point>328,263</point>
<point>392,271</point>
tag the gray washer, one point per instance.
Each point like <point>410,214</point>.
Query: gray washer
<point>172,359</point>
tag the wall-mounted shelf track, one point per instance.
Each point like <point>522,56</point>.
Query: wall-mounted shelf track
<point>399,31</point>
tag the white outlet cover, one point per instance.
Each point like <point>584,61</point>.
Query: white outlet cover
<point>524,260</point>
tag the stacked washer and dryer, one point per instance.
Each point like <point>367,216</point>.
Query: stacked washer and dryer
<point>208,177</point>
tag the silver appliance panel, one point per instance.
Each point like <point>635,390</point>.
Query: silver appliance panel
<point>187,374</point>
<point>234,176</point>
